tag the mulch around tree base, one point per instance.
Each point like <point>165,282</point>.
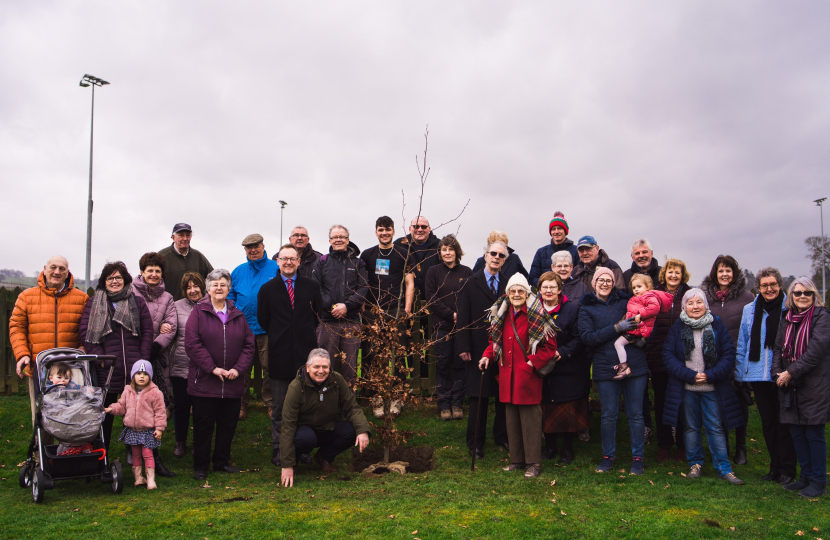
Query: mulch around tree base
<point>420,458</point>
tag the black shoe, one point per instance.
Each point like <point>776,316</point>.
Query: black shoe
<point>785,479</point>
<point>549,453</point>
<point>801,483</point>
<point>200,475</point>
<point>275,458</point>
<point>228,469</point>
<point>479,453</point>
<point>567,457</point>
<point>771,477</point>
<point>161,470</point>
<point>740,456</point>
<point>305,458</point>
<point>505,446</point>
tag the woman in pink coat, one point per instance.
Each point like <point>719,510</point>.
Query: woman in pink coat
<point>644,306</point>
<point>522,340</point>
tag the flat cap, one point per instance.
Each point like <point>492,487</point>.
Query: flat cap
<point>252,240</point>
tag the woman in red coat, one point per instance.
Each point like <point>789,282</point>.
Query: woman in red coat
<point>522,340</point>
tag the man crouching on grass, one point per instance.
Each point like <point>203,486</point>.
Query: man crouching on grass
<point>315,403</point>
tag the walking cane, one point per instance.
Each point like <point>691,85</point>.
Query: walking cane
<point>478,416</point>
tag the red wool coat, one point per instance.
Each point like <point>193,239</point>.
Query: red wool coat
<point>518,383</point>
<point>647,306</point>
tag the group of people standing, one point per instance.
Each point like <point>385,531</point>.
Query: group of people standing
<point>533,340</point>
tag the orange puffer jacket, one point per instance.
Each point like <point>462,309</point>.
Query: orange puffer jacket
<point>44,319</point>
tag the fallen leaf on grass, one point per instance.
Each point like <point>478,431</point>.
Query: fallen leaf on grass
<point>799,533</point>
<point>815,529</point>
<point>415,531</point>
<point>650,482</point>
<point>563,512</point>
<point>75,510</point>
<point>667,486</point>
<point>622,470</point>
<point>19,465</point>
<point>553,501</point>
<point>391,516</point>
<point>206,485</point>
<point>210,524</point>
<point>683,474</point>
<point>731,528</point>
<point>621,476</point>
<point>553,483</point>
<point>671,473</point>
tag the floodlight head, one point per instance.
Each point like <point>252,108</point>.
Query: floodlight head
<point>819,201</point>
<point>283,204</point>
<point>82,83</point>
<point>89,79</point>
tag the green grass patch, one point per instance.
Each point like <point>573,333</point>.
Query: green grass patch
<point>449,502</point>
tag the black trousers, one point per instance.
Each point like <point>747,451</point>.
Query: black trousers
<point>499,423</point>
<point>331,443</point>
<point>210,413</point>
<point>665,439</point>
<point>181,408</point>
<point>109,399</point>
<point>777,436</point>
<point>449,371</point>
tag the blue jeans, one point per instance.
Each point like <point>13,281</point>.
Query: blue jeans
<point>609,397</point>
<point>703,409</point>
<point>811,449</point>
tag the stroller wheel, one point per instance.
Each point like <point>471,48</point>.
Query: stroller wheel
<point>117,477</point>
<point>38,485</point>
<point>24,478</point>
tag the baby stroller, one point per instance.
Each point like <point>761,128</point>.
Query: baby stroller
<point>74,417</point>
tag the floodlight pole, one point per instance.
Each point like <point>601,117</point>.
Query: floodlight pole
<point>820,204</point>
<point>283,204</point>
<point>89,80</point>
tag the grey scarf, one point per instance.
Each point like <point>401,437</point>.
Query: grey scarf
<point>126,314</point>
<point>710,354</point>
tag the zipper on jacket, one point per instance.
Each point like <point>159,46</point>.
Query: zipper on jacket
<point>124,356</point>
<point>56,320</point>
<point>224,354</point>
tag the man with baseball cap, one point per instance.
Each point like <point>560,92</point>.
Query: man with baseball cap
<point>246,280</point>
<point>591,257</point>
<point>558,229</point>
<point>180,258</point>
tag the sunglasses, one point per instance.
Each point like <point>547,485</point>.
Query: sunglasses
<point>798,294</point>
<point>424,227</point>
<point>497,254</point>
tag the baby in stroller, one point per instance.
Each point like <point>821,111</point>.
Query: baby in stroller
<point>61,374</point>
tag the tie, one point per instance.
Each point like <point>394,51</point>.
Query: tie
<point>290,291</point>
<point>493,284</point>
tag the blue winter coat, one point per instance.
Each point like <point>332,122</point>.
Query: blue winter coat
<point>596,326</point>
<point>542,262</point>
<point>246,279</point>
<point>746,371</point>
<point>680,375</point>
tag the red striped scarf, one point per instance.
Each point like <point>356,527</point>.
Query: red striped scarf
<point>797,335</point>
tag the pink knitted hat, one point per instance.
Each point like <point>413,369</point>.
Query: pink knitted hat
<point>601,271</point>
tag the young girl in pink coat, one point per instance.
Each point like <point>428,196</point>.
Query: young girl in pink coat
<point>644,307</point>
<point>142,406</point>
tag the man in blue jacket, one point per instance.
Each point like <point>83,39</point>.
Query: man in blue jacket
<point>558,229</point>
<point>246,279</point>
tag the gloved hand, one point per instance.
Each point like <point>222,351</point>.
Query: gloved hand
<point>626,325</point>
<point>155,352</point>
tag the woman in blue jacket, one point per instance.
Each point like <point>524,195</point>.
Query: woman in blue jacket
<point>699,356</point>
<point>601,321</point>
<point>753,363</point>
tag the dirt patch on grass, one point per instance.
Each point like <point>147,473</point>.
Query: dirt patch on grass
<point>420,458</point>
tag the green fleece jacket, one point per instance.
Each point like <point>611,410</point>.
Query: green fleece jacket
<point>319,408</point>
<point>177,265</point>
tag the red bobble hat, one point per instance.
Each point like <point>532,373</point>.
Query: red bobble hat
<point>558,219</point>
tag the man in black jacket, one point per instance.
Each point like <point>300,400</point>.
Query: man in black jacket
<point>342,277</point>
<point>423,250</point>
<point>479,293</point>
<point>288,308</point>
<point>308,256</point>
<point>643,263</point>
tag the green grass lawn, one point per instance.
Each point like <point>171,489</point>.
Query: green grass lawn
<point>449,502</point>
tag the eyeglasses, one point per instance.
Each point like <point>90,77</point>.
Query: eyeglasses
<point>769,287</point>
<point>288,259</point>
<point>604,282</point>
<point>113,279</point>
<point>549,289</point>
<point>298,235</point>
<point>338,237</point>
<point>497,254</point>
<point>562,266</point>
<point>799,294</point>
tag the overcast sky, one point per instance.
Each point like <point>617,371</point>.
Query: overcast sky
<point>703,126</point>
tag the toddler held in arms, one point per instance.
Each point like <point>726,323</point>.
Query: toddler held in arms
<point>144,420</point>
<point>644,307</point>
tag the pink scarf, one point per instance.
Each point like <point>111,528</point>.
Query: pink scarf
<point>797,335</point>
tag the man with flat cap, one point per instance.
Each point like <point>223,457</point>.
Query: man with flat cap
<point>180,258</point>
<point>246,280</point>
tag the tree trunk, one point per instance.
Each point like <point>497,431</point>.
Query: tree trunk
<point>386,453</point>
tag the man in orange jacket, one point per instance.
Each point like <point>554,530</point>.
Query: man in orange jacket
<point>45,317</point>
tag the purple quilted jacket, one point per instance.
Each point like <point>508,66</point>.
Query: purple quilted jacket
<point>210,344</point>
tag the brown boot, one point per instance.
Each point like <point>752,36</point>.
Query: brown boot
<point>180,450</point>
<point>325,465</point>
<point>139,480</point>
<point>269,412</point>
<point>243,412</point>
<point>151,478</point>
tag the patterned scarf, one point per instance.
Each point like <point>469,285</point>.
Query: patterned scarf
<point>540,325</point>
<point>722,294</point>
<point>100,320</point>
<point>797,335</point>
<point>710,351</point>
